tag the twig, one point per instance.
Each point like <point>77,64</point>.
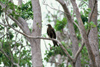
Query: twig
<point>78,16</point>
<point>46,45</point>
<point>82,2</point>
<point>78,52</point>
<point>9,58</point>
<point>52,7</point>
<point>5,55</point>
<point>3,24</point>
<point>38,37</point>
<point>20,22</point>
<point>2,36</point>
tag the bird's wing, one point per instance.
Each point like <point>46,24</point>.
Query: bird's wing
<point>53,33</point>
<point>49,32</point>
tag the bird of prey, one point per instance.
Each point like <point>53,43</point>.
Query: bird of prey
<point>51,33</point>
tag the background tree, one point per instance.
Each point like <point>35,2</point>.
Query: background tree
<point>81,17</point>
<point>74,29</point>
<point>19,14</point>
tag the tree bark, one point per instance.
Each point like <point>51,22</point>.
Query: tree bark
<point>35,44</point>
<point>37,26</point>
<point>73,37</point>
<point>93,34</point>
<point>83,33</point>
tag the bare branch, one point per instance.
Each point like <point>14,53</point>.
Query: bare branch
<point>83,33</point>
<point>78,52</point>
<point>20,22</point>
<point>9,58</point>
<point>3,24</point>
<point>2,36</point>
<point>5,55</point>
<point>82,2</point>
<point>52,7</point>
<point>38,37</point>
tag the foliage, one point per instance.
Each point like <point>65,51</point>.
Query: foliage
<point>61,65</point>
<point>1,10</point>
<point>84,58</point>
<point>8,46</point>
<point>56,50</point>
<point>14,49</point>
<point>98,27</point>
<point>24,11</point>
<point>84,19</point>
<point>60,24</point>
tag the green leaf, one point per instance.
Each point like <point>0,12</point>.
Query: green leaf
<point>60,24</point>
<point>92,24</point>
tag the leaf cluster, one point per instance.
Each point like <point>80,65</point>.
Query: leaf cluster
<point>84,57</point>
<point>56,50</point>
<point>60,24</point>
<point>1,10</point>
<point>24,10</point>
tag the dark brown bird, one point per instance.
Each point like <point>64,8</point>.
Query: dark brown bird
<point>51,33</point>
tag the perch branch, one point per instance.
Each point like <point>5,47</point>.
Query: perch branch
<point>38,37</point>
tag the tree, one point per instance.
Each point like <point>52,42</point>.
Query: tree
<point>19,19</point>
<point>84,29</point>
<point>80,38</point>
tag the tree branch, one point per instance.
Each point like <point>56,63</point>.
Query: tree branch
<point>78,52</point>
<point>38,37</point>
<point>83,33</point>
<point>90,16</point>
<point>52,7</point>
<point>2,36</point>
<point>9,58</point>
<point>20,22</point>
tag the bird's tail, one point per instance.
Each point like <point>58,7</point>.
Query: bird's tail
<point>55,43</point>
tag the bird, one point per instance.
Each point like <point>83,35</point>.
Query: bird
<point>51,33</point>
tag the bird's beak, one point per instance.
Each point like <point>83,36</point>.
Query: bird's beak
<point>47,25</point>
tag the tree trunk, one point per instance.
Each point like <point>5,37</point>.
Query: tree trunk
<point>37,26</point>
<point>35,44</point>
<point>93,34</point>
<point>83,33</point>
<point>74,43</point>
<point>72,33</point>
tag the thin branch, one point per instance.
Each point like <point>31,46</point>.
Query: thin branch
<point>38,37</point>
<point>2,36</point>
<point>19,55</point>
<point>52,7</point>
<point>46,45</point>
<point>20,22</point>
<point>6,55</point>
<point>82,2</point>
<point>9,58</point>
<point>78,52</point>
<point>65,51</point>
<point>84,34</point>
<point>3,24</point>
